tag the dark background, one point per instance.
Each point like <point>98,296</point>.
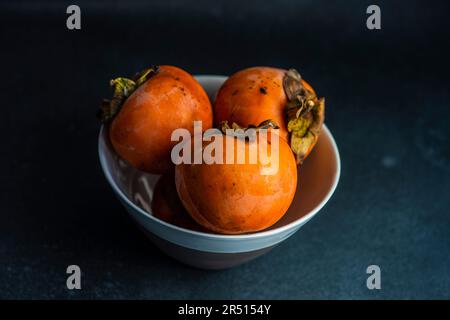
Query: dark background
<point>387,97</point>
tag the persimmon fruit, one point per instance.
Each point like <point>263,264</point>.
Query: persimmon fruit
<point>166,204</point>
<point>255,94</point>
<point>145,110</point>
<point>237,198</point>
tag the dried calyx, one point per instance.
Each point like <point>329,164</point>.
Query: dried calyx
<point>305,114</point>
<point>242,132</point>
<point>123,88</point>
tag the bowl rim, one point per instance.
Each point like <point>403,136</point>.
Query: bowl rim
<point>255,235</point>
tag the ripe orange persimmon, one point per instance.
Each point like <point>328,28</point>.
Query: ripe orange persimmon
<point>238,198</point>
<point>255,94</point>
<point>146,109</point>
<point>166,204</point>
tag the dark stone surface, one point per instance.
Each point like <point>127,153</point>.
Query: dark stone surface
<point>387,105</point>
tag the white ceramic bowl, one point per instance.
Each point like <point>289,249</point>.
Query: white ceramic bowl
<point>317,180</point>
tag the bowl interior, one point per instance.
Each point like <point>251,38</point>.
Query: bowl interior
<point>317,176</point>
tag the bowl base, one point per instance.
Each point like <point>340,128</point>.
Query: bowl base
<point>202,259</point>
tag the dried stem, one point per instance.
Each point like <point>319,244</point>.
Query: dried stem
<point>122,89</point>
<point>305,114</point>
